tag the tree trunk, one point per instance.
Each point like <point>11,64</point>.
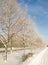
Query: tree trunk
<point>11,47</point>
<point>6,53</point>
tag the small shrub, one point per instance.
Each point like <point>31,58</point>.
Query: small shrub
<point>24,57</point>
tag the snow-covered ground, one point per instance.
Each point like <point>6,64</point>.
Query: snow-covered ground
<point>15,58</point>
<point>39,59</point>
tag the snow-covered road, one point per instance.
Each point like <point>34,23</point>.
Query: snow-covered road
<point>39,59</point>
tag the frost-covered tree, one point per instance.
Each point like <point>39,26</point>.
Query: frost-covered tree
<point>10,17</point>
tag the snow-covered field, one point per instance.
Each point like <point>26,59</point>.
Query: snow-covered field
<point>15,58</point>
<point>12,59</point>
